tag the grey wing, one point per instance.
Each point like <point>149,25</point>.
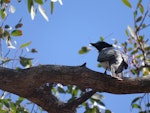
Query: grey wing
<point>125,60</point>
<point>124,64</point>
<point>106,55</point>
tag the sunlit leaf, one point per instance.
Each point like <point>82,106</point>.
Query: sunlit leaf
<point>30,4</point>
<point>26,62</point>
<point>134,71</point>
<point>84,50</point>
<point>12,9</point>
<point>132,33</point>
<point>146,71</point>
<point>99,65</point>
<point>127,3</point>
<point>102,38</point>
<point>141,8</point>
<point>75,92</point>
<point>6,1</point>
<point>97,96</point>
<point>32,13</point>
<point>136,106</point>
<point>25,44</point>
<point>16,33</point>
<point>39,1</point>
<point>20,99</point>
<point>43,13</point>
<point>3,13</point>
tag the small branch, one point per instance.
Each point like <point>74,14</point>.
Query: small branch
<point>75,103</point>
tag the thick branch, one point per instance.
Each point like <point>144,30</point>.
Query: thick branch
<point>27,82</point>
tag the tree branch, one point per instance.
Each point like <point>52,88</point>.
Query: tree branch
<point>27,83</point>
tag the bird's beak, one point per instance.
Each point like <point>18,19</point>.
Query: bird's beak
<point>93,44</point>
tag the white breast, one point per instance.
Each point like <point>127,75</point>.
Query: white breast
<point>105,65</point>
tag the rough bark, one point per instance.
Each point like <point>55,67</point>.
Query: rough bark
<point>30,83</point>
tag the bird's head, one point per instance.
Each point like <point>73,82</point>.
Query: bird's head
<point>100,45</point>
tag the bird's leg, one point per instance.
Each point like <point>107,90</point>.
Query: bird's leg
<point>105,71</point>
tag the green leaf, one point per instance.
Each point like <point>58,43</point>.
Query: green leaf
<point>52,7</point>
<point>130,48</point>
<point>3,13</point>
<point>135,13</point>
<point>144,26</point>
<point>134,52</point>
<point>99,65</point>
<point>101,103</point>
<point>84,50</point>
<point>61,90</point>
<point>20,99</point>
<point>26,62</point>
<point>30,4</point>
<point>135,100</point>
<point>25,44</point>
<point>6,1</point>
<point>136,106</point>
<point>134,71</point>
<point>6,34</point>
<point>75,92</point>
<point>16,33</point>
<point>127,3</point>
<point>141,8</point>
<point>127,33</point>
<point>107,111</point>
<point>146,71</point>
<point>102,38</point>
<point>139,19</point>
<point>33,50</point>
<point>39,1</point>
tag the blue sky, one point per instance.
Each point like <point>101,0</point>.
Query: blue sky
<point>75,24</point>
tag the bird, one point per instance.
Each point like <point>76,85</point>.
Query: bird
<point>111,58</point>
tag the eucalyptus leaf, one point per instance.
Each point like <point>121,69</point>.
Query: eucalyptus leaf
<point>25,44</point>
<point>52,7</point>
<point>43,13</point>
<point>127,3</point>
<point>131,31</point>
<point>16,33</point>
<point>84,50</point>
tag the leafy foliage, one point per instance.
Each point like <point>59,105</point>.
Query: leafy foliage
<point>136,47</point>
